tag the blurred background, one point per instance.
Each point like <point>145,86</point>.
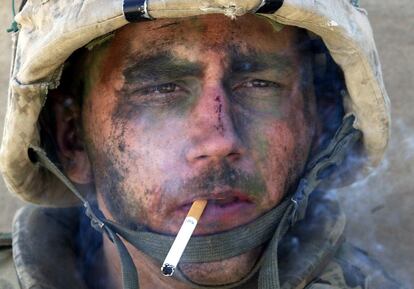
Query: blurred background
<point>380,209</point>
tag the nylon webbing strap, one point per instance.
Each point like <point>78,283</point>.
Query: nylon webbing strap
<point>212,247</point>
<point>333,155</point>
<point>130,278</point>
<point>271,226</point>
<point>129,273</point>
<point>269,273</point>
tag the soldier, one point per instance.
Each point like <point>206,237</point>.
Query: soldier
<point>121,115</point>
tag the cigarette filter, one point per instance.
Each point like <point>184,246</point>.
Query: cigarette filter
<point>183,236</point>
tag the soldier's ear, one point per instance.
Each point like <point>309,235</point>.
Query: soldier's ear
<point>71,152</point>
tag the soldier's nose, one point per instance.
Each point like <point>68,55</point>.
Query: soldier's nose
<point>213,134</point>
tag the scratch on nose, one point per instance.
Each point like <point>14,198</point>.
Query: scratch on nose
<point>219,126</point>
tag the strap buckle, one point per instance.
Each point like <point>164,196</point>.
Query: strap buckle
<point>96,223</point>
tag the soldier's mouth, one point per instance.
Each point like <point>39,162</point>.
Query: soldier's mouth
<point>225,210</point>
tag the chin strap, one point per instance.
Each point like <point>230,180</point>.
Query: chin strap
<point>269,228</point>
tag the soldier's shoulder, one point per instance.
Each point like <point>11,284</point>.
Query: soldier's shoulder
<point>8,277</point>
<point>353,268</point>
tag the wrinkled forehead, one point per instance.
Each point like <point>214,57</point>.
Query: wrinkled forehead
<point>196,36</point>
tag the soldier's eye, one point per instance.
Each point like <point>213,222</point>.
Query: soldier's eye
<point>258,95</point>
<point>163,88</point>
<point>258,83</point>
<point>160,94</point>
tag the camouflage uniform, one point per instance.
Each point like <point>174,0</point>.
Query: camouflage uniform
<point>313,254</point>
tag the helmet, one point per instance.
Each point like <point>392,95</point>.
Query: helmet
<point>51,30</point>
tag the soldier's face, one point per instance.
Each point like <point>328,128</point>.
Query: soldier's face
<point>201,108</point>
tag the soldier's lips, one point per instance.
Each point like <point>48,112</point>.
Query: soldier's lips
<point>223,212</point>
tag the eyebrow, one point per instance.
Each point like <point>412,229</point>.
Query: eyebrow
<point>164,66</point>
<point>160,66</point>
<point>256,62</point>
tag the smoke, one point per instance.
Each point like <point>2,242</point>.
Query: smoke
<point>380,207</point>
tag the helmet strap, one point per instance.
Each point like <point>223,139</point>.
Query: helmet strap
<point>266,230</point>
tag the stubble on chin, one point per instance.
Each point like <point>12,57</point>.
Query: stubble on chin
<point>222,272</point>
<point>109,178</point>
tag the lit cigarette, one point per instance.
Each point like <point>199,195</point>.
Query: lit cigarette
<point>183,236</point>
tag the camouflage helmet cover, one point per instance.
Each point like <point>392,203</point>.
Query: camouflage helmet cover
<point>51,30</point>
